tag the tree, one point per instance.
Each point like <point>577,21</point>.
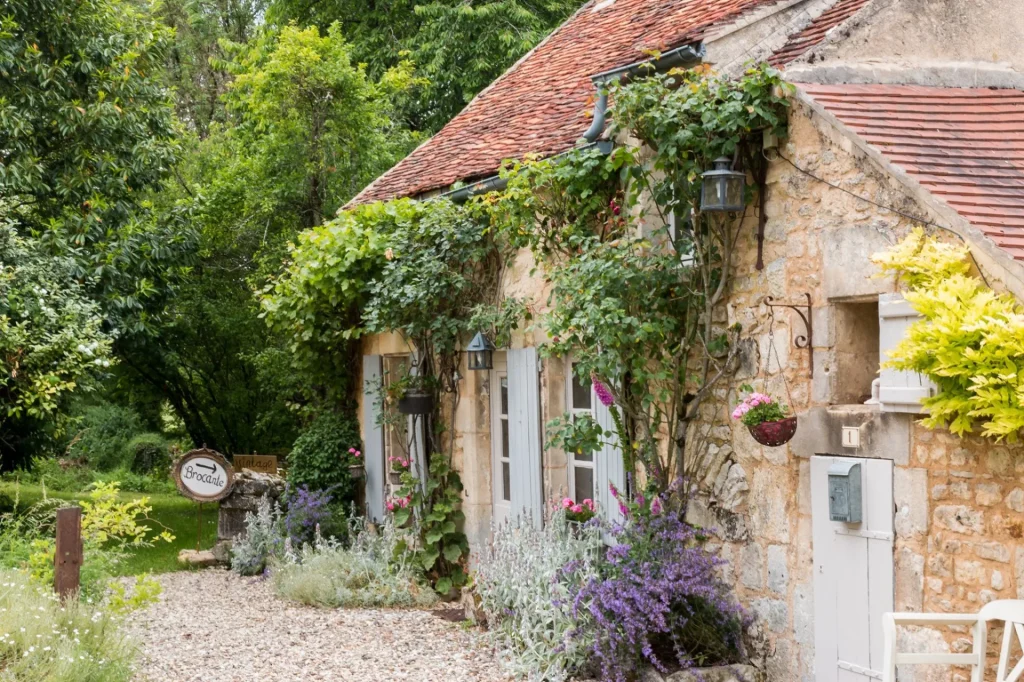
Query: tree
<point>459,46</point>
<point>51,337</point>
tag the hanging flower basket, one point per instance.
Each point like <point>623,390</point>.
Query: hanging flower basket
<point>773,434</point>
<point>416,402</point>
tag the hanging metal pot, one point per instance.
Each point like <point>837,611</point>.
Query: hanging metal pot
<point>416,402</point>
<point>774,434</point>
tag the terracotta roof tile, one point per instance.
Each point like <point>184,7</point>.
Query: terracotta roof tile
<point>543,103</point>
<point>964,145</point>
<point>815,32</point>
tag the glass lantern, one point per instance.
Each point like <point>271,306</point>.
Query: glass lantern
<point>480,351</point>
<point>722,190</point>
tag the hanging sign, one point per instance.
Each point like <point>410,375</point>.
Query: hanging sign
<point>204,475</point>
<point>264,464</point>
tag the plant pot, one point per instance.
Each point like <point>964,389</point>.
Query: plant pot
<point>774,434</point>
<point>357,472</point>
<point>416,402</point>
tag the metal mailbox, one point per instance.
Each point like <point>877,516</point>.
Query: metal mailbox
<point>844,491</point>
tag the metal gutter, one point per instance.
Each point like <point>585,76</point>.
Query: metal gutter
<point>687,55</point>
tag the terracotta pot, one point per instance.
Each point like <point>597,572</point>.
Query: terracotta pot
<point>774,434</point>
<point>415,402</point>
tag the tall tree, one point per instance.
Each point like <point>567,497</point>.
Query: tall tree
<point>460,46</point>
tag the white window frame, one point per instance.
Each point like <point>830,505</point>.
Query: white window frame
<point>673,223</point>
<point>570,457</point>
<point>392,440</point>
<point>501,506</point>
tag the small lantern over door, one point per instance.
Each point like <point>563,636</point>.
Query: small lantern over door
<point>480,351</point>
<point>722,190</point>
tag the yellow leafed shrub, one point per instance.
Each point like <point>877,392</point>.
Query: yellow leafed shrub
<point>970,340</point>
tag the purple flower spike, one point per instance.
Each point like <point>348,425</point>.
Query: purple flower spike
<point>603,394</point>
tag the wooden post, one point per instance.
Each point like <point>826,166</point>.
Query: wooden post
<point>67,562</point>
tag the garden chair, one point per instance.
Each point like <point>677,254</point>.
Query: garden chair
<point>1010,611</point>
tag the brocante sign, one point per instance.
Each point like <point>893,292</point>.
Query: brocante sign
<point>204,475</point>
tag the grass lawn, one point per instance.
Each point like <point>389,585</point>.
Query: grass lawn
<point>173,511</point>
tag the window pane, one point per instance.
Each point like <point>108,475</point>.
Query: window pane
<point>584,480</point>
<point>583,456</point>
<point>506,482</point>
<point>504,439</point>
<point>504,395</point>
<point>580,393</point>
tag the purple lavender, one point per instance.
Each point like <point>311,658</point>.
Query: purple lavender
<point>657,578</point>
<point>306,510</point>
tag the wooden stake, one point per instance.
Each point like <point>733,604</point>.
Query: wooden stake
<point>199,526</point>
<point>67,561</point>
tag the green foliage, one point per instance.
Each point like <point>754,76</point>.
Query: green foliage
<point>103,434</point>
<point>433,508</point>
<point>46,641</point>
<point>52,341</point>
<point>970,341</point>
<point>460,47</point>
<point>320,458</point>
<point>632,302</point>
<point>61,474</point>
<point>371,572</point>
<point>122,599</point>
<point>149,453</point>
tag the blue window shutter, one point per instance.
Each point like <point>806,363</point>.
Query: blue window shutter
<point>373,439</point>
<point>608,467</point>
<point>526,465</point>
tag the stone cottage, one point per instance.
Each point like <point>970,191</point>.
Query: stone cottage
<point>905,113</point>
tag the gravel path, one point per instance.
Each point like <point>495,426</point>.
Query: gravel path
<point>212,626</point>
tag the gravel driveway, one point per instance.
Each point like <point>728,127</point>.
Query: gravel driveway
<point>213,626</point>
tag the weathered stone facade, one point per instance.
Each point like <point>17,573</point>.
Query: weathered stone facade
<point>958,502</point>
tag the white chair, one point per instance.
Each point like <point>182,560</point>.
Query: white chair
<point>1010,611</point>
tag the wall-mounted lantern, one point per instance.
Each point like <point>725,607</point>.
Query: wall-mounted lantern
<point>480,351</point>
<point>722,190</point>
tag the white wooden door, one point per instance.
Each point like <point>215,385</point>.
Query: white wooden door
<point>525,435</point>
<point>853,575</point>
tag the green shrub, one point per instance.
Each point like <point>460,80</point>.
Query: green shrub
<point>157,482</point>
<point>320,457</point>
<point>61,474</point>
<point>264,537</point>
<point>148,453</point>
<point>103,436</point>
<point>44,641</point>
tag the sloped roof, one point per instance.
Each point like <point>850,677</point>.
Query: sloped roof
<point>815,32</point>
<point>964,145</point>
<point>542,104</point>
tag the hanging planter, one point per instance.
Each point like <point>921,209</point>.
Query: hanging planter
<point>416,401</point>
<point>765,418</point>
<point>774,434</point>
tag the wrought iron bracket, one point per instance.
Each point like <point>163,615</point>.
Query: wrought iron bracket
<point>804,311</point>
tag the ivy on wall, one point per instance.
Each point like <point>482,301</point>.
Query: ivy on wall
<point>970,340</point>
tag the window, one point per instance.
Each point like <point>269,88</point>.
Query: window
<point>580,399</point>
<point>503,450</point>
<point>396,424</point>
<point>685,244</point>
<point>856,351</point>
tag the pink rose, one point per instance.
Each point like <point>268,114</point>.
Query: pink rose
<point>566,502</point>
<point>576,509</point>
<point>589,504</point>
<point>390,505</point>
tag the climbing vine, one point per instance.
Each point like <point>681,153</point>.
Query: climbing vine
<point>969,342</point>
<point>638,273</point>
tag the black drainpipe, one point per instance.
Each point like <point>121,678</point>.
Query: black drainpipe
<point>687,55</point>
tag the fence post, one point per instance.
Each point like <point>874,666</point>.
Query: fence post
<point>67,561</point>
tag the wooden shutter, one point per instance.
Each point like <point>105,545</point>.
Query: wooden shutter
<point>898,391</point>
<point>608,466</point>
<point>524,434</point>
<point>373,439</point>
<point>417,435</point>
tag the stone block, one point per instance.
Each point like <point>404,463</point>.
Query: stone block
<point>752,567</point>
<point>967,572</point>
<point>883,435</point>
<point>910,492</point>
<point>995,551</point>
<point>997,580</point>
<point>725,673</point>
<point>960,519</point>
<point>774,613</point>
<point>909,580</point>
<point>1015,500</point>
<point>803,615</point>
<point>988,494</point>
<point>778,570</point>
<point>197,559</point>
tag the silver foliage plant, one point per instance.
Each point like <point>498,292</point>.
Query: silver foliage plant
<point>264,537</point>
<point>523,584</point>
<point>370,571</point>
